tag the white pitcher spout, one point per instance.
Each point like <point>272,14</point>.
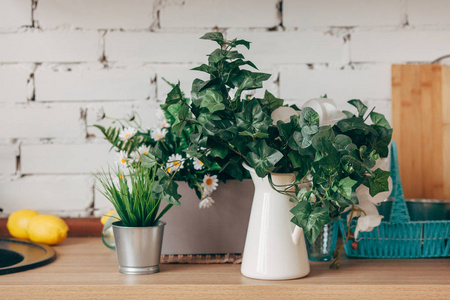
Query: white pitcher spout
<point>296,235</point>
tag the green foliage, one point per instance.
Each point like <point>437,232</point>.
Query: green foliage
<point>135,197</point>
<point>112,135</point>
<point>333,160</point>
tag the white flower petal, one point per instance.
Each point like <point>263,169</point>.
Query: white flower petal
<point>367,223</point>
<point>127,133</point>
<point>206,202</point>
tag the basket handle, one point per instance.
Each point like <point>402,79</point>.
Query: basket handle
<point>399,210</point>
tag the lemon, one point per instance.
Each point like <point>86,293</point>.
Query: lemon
<point>106,217</point>
<point>18,222</point>
<point>47,229</point>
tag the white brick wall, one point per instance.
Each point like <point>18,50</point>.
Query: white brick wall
<point>63,60</point>
<point>63,195</point>
<point>156,47</point>
<point>232,13</point>
<point>49,46</point>
<point>307,13</point>
<point>96,14</point>
<point>431,12</point>
<point>14,84</point>
<point>42,122</point>
<point>290,47</point>
<point>83,84</point>
<point>368,83</point>
<point>8,161</point>
<point>65,159</point>
<point>400,45</point>
<point>15,13</point>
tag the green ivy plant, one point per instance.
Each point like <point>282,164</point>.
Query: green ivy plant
<point>332,161</point>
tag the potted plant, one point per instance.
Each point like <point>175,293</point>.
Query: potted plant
<point>306,163</point>
<point>137,192</point>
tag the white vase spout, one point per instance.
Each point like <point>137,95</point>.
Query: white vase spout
<point>275,248</point>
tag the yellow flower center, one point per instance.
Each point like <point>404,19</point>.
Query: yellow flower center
<point>127,135</point>
<point>176,163</point>
<point>145,152</point>
<point>123,160</point>
<point>200,162</point>
<point>209,181</point>
<point>169,170</point>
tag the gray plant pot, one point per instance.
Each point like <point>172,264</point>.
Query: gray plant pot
<point>219,229</point>
<point>138,249</point>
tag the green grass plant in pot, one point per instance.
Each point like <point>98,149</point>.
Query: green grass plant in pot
<point>306,163</point>
<point>141,194</point>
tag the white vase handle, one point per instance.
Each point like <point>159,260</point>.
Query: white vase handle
<point>296,235</point>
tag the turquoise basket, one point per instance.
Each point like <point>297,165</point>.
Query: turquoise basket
<point>400,237</point>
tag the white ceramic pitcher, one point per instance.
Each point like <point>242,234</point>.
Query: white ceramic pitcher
<point>274,248</point>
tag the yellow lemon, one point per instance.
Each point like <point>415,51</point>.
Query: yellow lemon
<point>106,217</point>
<point>47,229</point>
<point>18,222</point>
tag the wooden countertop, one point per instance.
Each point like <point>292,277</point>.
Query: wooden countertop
<point>86,269</point>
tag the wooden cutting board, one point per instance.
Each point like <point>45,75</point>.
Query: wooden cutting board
<point>421,123</point>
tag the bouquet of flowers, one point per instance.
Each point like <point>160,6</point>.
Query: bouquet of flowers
<point>135,144</point>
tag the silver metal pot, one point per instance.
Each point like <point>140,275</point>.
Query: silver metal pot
<point>420,209</point>
<point>138,249</point>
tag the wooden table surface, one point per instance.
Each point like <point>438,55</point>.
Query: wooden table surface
<point>86,269</point>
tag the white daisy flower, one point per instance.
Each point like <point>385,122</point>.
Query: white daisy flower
<point>161,119</point>
<point>174,163</point>
<point>206,202</point>
<point>101,114</point>
<point>144,149</point>
<point>210,183</point>
<point>122,159</point>
<point>136,156</point>
<point>203,149</point>
<point>198,164</point>
<point>127,133</point>
<point>158,134</point>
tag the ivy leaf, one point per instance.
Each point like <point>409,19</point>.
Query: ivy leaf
<point>361,107</point>
<point>341,141</point>
<point>380,120</point>
<point>214,36</point>
<point>379,182</point>
<point>355,124</point>
<point>175,95</point>
<point>183,112</point>
<point>241,42</point>
<point>247,80</point>
<point>148,160</point>
<point>318,218</point>
<point>218,150</point>
<point>271,102</point>
<point>263,158</point>
<point>301,213</point>
<point>345,187</point>
<point>380,142</point>
<point>295,141</point>
<point>207,69</point>
<point>252,118</point>
<point>322,140</point>
<point>258,135</point>
<point>234,55</point>
<point>308,117</point>
<point>212,101</point>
